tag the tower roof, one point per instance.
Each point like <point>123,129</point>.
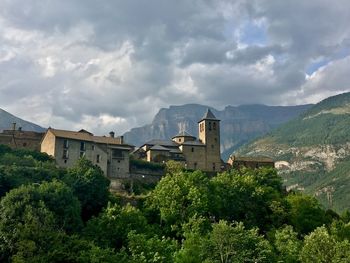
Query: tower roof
<point>209,116</point>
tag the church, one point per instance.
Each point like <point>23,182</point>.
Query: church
<point>202,153</point>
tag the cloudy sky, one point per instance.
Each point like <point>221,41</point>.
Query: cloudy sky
<point>111,64</point>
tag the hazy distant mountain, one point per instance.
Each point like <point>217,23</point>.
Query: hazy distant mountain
<point>6,120</point>
<point>313,151</point>
<point>239,125</point>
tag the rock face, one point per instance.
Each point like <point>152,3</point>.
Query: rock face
<point>6,120</point>
<point>239,125</point>
<point>312,152</point>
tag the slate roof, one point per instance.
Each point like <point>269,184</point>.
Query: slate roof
<point>209,116</point>
<point>159,148</point>
<point>184,134</point>
<point>165,143</point>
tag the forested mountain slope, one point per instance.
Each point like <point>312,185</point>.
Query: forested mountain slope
<point>313,151</point>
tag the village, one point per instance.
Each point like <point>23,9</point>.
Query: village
<point>114,156</point>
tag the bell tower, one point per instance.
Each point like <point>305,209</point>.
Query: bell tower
<point>209,134</point>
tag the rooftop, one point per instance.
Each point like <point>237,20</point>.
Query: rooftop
<point>84,135</point>
<point>184,134</point>
<point>208,116</point>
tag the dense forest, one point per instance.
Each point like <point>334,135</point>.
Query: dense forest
<point>49,214</point>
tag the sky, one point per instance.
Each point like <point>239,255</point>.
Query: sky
<point>112,64</point>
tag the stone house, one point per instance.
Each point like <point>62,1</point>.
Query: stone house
<point>250,162</point>
<point>109,153</point>
<point>20,139</point>
<point>202,153</point>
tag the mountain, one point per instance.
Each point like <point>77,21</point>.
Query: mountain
<point>239,125</point>
<point>313,151</point>
<point>7,119</point>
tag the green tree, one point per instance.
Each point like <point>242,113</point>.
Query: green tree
<point>180,196</point>
<point>306,213</point>
<point>90,186</point>
<point>319,247</point>
<point>287,245</point>
<point>111,227</point>
<point>233,243</point>
<point>146,249</point>
<point>248,197</point>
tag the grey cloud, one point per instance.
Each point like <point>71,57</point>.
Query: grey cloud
<point>76,61</point>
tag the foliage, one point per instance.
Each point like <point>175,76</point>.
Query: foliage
<point>233,243</point>
<point>90,186</point>
<point>178,197</point>
<point>306,213</point>
<point>112,226</point>
<point>140,164</point>
<point>287,244</point>
<point>151,249</point>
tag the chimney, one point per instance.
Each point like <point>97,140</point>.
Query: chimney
<point>111,134</point>
<point>14,126</point>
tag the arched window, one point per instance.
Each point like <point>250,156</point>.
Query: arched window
<point>209,126</point>
<point>214,126</point>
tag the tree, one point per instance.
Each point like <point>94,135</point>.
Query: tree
<point>287,245</point>
<point>90,186</point>
<point>180,196</point>
<point>306,213</point>
<point>111,227</point>
<point>145,249</point>
<point>233,243</point>
<point>318,247</point>
<point>245,196</point>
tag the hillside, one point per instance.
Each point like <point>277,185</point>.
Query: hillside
<point>313,151</point>
<point>6,120</point>
<point>239,125</point>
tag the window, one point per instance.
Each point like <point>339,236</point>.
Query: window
<point>24,144</point>
<point>82,146</point>
<point>93,147</point>
<point>117,154</point>
<point>192,149</point>
<point>195,166</point>
<point>179,139</point>
<point>213,166</point>
<point>97,158</point>
<point>214,126</point>
<point>212,146</point>
<point>65,144</point>
<point>65,154</point>
<point>216,139</point>
<point>209,126</point>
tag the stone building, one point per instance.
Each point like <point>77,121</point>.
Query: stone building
<point>19,139</point>
<point>109,153</point>
<point>250,162</point>
<point>202,153</point>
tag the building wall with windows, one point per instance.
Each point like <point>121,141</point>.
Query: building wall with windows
<point>106,152</point>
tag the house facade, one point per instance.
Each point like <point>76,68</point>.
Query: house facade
<point>202,153</point>
<point>20,139</point>
<point>109,153</point>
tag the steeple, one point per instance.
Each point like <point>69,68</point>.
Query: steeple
<point>209,116</point>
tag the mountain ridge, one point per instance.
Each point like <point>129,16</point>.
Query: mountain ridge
<point>239,124</point>
<point>7,119</point>
<point>313,151</point>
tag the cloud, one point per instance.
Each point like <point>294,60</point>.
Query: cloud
<point>111,65</point>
